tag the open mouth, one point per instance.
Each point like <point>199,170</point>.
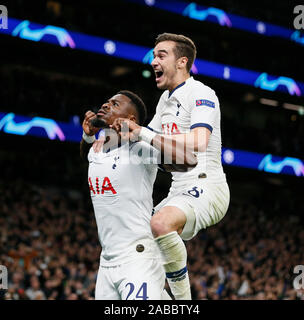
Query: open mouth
<point>158,75</point>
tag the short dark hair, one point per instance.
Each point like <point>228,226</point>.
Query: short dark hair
<point>184,46</point>
<point>138,103</point>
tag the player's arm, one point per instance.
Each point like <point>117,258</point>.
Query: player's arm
<point>180,146</point>
<point>204,110</point>
<point>88,136</point>
<point>176,150</point>
<point>166,165</point>
<point>84,149</point>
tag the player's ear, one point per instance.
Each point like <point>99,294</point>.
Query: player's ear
<point>182,62</point>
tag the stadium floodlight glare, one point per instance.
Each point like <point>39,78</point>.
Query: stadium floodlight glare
<point>301,111</point>
<point>146,74</point>
<point>269,102</point>
<point>291,106</point>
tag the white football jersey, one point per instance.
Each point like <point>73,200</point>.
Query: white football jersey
<point>121,187</point>
<point>191,105</point>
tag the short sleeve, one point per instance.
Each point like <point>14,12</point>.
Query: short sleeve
<point>155,123</point>
<point>204,109</point>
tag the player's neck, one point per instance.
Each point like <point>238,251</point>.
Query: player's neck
<point>178,82</point>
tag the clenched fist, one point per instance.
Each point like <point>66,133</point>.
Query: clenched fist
<point>86,124</point>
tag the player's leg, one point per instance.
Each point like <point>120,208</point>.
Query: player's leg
<point>142,279</point>
<point>166,224</point>
<point>165,295</point>
<point>196,208</point>
<point>209,208</point>
<point>105,289</point>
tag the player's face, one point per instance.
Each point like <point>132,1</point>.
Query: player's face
<point>119,106</point>
<point>165,65</point>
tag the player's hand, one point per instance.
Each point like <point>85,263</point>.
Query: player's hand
<point>126,128</point>
<point>86,124</point>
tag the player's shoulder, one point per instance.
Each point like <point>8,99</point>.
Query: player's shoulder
<point>162,101</point>
<point>198,87</point>
<point>163,97</point>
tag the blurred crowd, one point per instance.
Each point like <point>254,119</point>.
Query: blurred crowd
<point>250,255</point>
<point>49,244</point>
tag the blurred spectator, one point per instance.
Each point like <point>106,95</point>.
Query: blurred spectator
<point>249,255</point>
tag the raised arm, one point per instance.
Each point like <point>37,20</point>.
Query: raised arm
<point>180,148</point>
<point>88,136</point>
<point>177,150</point>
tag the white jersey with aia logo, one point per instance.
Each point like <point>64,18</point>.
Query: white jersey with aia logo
<point>121,184</point>
<point>121,187</point>
<point>201,193</point>
<point>191,105</point>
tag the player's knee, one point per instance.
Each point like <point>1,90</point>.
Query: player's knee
<point>160,225</point>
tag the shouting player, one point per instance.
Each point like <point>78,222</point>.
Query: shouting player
<point>121,177</point>
<point>188,116</point>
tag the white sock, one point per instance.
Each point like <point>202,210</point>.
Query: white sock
<point>175,263</point>
<point>165,295</point>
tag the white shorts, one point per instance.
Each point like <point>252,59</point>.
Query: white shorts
<point>203,203</point>
<point>141,279</point>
